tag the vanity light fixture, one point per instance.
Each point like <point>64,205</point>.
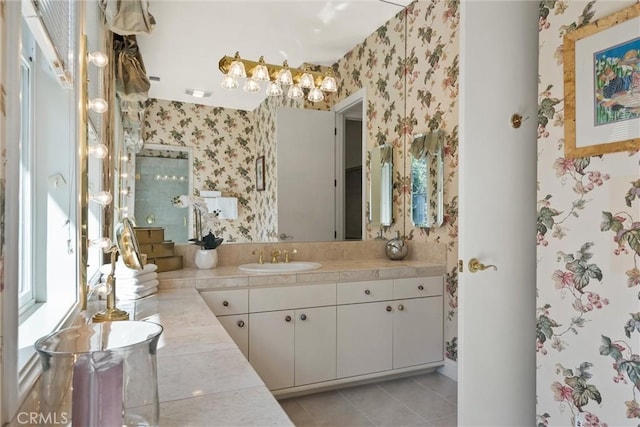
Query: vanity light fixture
<point>312,80</point>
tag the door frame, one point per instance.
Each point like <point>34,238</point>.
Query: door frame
<point>341,112</point>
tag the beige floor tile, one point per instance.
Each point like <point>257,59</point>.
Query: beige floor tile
<point>381,408</point>
<point>331,409</point>
<point>442,385</point>
<point>420,399</point>
<point>298,415</point>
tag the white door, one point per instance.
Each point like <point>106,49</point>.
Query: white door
<point>315,345</point>
<point>271,347</point>
<point>306,174</point>
<point>237,326</point>
<point>417,331</point>
<point>497,189</point>
<point>365,338</point>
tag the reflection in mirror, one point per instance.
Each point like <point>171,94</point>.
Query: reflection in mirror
<point>162,173</point>
<point>381,185</point>
<point>427,169</point>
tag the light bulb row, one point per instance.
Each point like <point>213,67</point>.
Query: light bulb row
<point>283,78</point>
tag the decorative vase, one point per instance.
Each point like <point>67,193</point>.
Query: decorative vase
<point>397,248</point>
<point>206,259</point>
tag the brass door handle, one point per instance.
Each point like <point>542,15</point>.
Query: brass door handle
<point>475,265</point>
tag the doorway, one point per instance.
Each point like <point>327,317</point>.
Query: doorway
<point>350,167</point>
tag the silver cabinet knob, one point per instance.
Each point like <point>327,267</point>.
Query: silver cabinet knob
<point>303,317</point>
<point>240,323</point>
<point>225,303</point>
<point>389,308</point>
<point>421,288</point>
<point>287,319</point>
<point>401,307</point>
<point>367,292</point>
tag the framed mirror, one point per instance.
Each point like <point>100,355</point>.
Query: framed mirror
<point>162,173</point>
<point>427,181</point>
<point>381,185</point>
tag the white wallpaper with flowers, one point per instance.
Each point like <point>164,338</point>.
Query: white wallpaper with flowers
<point>588,279</point>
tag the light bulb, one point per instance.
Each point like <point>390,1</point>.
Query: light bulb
<point>97,58</point>
<point>102,198</point>
<point>306,81</point>
<point>99,151</point>
<point>102,243</point>
<point>274,89</point>
<point>98,105</point>
<point>315,95</point>
<point>229,82</point>
<point>251,86</point>
<point>295,92</point>
<point>329,83</point>
<point>261,72</point>
<point>284,76</point>
<point>236,69</point>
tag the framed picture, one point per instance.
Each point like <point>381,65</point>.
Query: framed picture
<point>602,85</point>
<point>260,173</point>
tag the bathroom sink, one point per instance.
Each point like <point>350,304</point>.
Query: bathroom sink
<point>282,267</point>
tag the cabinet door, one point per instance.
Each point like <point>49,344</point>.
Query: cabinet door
<point>417,331</point>
<point>271,347</point>
<point>315,345</point>
<point>364,338</point>
<point>238,328</point>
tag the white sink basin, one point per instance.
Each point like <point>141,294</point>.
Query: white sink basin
<point>282,267</point>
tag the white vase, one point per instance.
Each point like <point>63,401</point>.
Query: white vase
<point>206,258</point>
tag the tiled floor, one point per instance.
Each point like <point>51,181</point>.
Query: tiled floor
<point>424,400</point>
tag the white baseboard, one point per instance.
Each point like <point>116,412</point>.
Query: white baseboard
<point>449,369</point>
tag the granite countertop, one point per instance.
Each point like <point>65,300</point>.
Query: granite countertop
<point>203,378</point>
<point>331,271</point>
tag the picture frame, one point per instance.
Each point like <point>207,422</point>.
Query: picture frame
<point>602,85</point>
<point>260,183</point>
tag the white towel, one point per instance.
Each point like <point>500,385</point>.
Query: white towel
<point>227,206</point>
<point>134,281</point>
<point>122,271</point>
<point>137,288</point>
<point>136,295</point>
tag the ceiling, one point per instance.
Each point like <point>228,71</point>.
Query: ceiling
<point>190,37</point>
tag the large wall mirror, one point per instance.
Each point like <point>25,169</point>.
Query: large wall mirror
<point>227,142</point>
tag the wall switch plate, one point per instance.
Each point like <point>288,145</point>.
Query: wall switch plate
<point>580,420</point>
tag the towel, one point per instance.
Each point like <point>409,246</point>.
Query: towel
<point>137,288</point>
<point>227,207</point>
<point>134,281</point>
<point>122,271</point>
<point>136,295</point>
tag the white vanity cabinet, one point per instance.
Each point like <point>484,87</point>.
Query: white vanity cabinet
<point>231,307</point>
<point>404,330</point>
<point>294,346</point>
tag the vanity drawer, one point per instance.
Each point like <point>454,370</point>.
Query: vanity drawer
<point>292,297</point>
<point>367,291</point>
<point>230,301</point>
<point>417,287</point>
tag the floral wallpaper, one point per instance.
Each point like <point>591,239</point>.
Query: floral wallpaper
<point>224,154</point>
<point>588,279</point>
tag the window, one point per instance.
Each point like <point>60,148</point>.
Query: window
<point>27,290</point>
